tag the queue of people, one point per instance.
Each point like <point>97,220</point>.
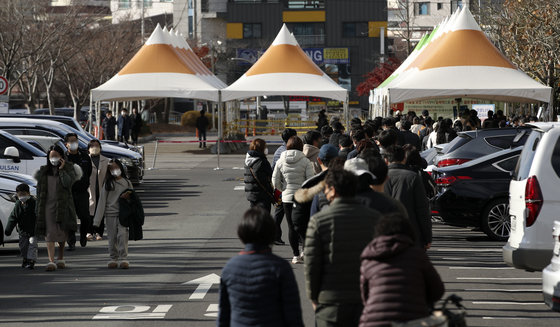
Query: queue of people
<point>359,221</point>
<point>72,185</point>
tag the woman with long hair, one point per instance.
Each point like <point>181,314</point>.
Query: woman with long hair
<point>56,214</point>
<point>258,175</point>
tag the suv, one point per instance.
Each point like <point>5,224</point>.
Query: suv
<point>17,156</point>
<point>475,144</point>
<point>533,200</point>
<point>8,184</point>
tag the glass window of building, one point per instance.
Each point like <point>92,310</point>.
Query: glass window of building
<point>421,8</point>
<point>252,31</point>
<point>124,4</point>
<point>355,29</point>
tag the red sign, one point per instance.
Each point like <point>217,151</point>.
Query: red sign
<point>3,85</point>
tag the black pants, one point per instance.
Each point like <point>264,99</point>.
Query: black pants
<point>293,236</point>
<point>278,217</point>
<point>81,205</point>
<point>134,136</point>
<point>338,315</point>
<point>123,137</point>
<point>202,136</point>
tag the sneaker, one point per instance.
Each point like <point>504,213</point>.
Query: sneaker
<point>279,242</point>
<point>50,266</point>
<point>296,260</point>
<point>30,265</point>
<point>89,237</point>
<point>98,237</point>
<point>112,265</point>
<point>301,256</point>
<point>124,265</point>
<point>60,264</point>
<point>24,263</point>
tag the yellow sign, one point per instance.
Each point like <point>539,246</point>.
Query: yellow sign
<point>374,29</point>
<point>335,53</point>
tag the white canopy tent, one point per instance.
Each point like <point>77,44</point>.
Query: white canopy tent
<point>462,62</point>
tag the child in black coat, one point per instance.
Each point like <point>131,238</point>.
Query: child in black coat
<point>23,216</point>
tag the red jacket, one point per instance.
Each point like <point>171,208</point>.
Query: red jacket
<point>398,281</point>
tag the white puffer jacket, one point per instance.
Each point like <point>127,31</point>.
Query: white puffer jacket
<point>291,170</point>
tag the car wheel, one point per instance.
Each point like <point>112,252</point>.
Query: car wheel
<point>495,220</point>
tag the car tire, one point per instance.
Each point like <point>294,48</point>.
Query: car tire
<point>495,220</point>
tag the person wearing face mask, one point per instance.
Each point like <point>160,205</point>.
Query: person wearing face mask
<point>108,124</point>
<point>96,181</point>
<point>116,186</point>
<point>80,192</point>
<point>258,176</point>
<point>23,216</point>
<point>335,238</point>
<point>56,214</point>
<point>124,123</point>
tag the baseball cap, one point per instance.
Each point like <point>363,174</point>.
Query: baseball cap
<point>359,167</point>
<point>327,152</point>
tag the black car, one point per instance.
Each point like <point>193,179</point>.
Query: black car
<point>476,193</point>
<point>475,144</point>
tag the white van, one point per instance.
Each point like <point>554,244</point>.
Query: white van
<point>534,201</point>
<point>17,156</point>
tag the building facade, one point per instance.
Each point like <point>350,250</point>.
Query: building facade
<point>126,10</point>
<point>343,37</point>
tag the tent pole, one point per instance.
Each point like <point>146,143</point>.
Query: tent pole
<point>346,112</point>
<point>98,118</point>
<point>90,115</point>
<point>218,143</point>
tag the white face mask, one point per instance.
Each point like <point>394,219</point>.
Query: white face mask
<point>24,198</point>
<point>73,146</point>
<point>265,151</point>
<point>123,113</point>
<point>54,161</point>
<point>94,151</point>
<point>116,172</point>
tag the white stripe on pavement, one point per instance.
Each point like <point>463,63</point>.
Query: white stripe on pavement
<point>507,303</point>
<point>497,278</point>
<point>503,290</point>
<point>482,268</point>
<point>468,250</point>
<point>239,188</point>
<point>504,318</point>
<point>458,258</point>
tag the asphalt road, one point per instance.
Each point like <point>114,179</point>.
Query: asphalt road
<point>190,232</point>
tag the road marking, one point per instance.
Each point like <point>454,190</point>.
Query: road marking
<point>455,258</point>
<point>482,268</point>
<point>239,188</point>
<point>504,318</point>
<point>238,168</point>
<point>497,278</point>
<point>132,312</point>
<point>503,290</point>
<point>468,250</point>
<point>212,311</point>
<point>204,285</point>
<point>507,303</point>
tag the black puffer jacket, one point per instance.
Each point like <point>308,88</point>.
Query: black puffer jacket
<point>263,171</point>
<point>398,282</point>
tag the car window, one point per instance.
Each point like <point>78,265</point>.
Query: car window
<point>555,160</point>
<point>508,164</point>
<point>502,142</point>
<point>23,153</point>
<point>457,142</point>
<point>526,159</point>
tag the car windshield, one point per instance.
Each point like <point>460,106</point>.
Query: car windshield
<point>457,142</point>
<point>526,159</point>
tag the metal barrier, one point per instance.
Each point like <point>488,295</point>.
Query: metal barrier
<point>257,127</point>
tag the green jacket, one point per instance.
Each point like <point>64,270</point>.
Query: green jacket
<point>23,215</point>
<point>335,239</point>
<point>67,216</point>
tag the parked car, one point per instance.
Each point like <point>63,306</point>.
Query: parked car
<point>551,274</point>
<point>475,193</point>
<point>475,144</point>
<point>17,156</point>
<point>42,143</point>
<point>534,203</point>
<point>70,121</point>
<point>8,184</point>
<point>133,161</point>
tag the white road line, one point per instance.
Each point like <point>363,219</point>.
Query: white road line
<point>239,188</point>
<point>504,318</point>
<point>467,250</point>
<point>507,303</point>
<point>498,278</point>
<point>503,290</point>
<point>443,258</point>
<point>481,268</point>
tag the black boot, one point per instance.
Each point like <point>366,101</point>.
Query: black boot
<point>24,263</point>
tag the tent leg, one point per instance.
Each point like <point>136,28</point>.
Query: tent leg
<point>218,143</point>
<point>347,112</point>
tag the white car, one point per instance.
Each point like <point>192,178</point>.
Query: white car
<point>8,184</point>
<point>534,203</point>
<point>17,156</point>
<point>551,274</point>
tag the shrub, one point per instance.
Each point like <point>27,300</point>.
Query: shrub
<point>189,118</point>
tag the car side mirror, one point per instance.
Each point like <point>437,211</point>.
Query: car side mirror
<point>12,153</point>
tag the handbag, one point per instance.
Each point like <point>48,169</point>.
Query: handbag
<point>276,197</point>
<point>442,317</point>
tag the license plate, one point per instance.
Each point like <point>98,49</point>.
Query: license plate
<point>513,221</point>
<point>556,248</point>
